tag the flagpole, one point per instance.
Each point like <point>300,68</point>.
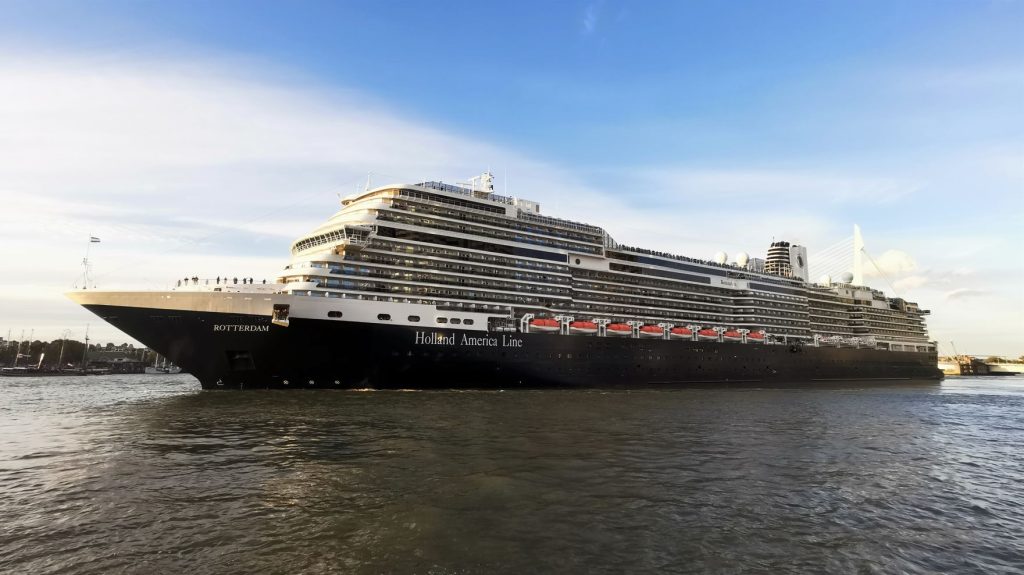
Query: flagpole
<point>85,264</point>
<point>85,261</point>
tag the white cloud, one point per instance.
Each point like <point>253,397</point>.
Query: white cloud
<point>890,264</point>
<point>910,283</point>
<point>964,293</point>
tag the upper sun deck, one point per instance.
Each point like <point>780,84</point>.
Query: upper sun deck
<point>487,200</point>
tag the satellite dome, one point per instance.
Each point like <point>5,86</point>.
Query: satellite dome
<point>846,278</point>
<point>742,259</point>
<point>825,280</point>
<point>721,257</point>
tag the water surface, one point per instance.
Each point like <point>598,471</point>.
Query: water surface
<point>148,474</point>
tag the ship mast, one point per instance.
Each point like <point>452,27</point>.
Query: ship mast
<point>85,352</point>
<point>17,352</point>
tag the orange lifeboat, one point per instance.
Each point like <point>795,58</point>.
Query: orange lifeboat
<point>583,327</point>
<point>543,325</point>
<point>707,334</point>
<point>651,331</point>
<point>732,335</point>
<point>619,329</point>
<point>680,333</point>
<point>756,337</point>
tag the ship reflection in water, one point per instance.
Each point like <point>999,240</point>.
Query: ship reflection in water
<point>146,474</point>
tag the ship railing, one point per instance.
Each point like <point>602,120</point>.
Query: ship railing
<point>578,226</point>
<point>453,189</point>
<point>229,285</point>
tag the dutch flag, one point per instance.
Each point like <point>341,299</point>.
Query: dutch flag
<point>94,240</point>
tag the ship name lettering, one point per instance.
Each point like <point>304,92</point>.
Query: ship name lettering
<point>239,327</point>
<point>507,341</point>
<point>486,341</point>
<point>434,338</point>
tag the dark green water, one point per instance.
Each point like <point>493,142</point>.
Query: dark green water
<point>147,474</point>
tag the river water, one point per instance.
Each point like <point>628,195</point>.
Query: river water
<point>148,474</point>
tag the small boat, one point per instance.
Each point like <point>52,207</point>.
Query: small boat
<point>652,331</point>
<point>157,370</point>
<point>756,337</point>
<point>619,329</point>
<point>680,333</point>
<point>543,325</point>
<point>583,327</point>
<point>707,334</point>
<point>732,335</point>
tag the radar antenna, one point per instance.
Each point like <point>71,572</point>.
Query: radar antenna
<point>482,185</point>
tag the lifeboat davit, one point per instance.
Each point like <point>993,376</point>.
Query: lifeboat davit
<point>619,329</point>
<point>732,335</point>
<point>680,333</point>
<point>651,331</point>
<point>543,325</point>
<point>756,337</point>
<point>583,327</point>
<point>707,334</point>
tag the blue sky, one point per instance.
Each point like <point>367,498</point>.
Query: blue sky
<point>684,126</point>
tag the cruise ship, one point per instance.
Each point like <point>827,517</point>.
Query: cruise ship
<point>434,285</point>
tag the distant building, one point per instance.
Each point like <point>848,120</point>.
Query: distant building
<point>117,361</point>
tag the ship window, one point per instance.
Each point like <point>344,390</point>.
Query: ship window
<point>441,320</point>
<point>414,318</point>
<point>467,322</point>
<point>334,314</point>
<point>456,321</point>
<point>384,316</point>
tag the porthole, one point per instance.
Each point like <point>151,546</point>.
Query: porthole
<point>441,320</point>
<point>456,321</point>
<point>384,316</point>
<point>334,314</point>
<point>467,322</point>
<point>414,318</point>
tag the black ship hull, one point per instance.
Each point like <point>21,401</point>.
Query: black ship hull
<point>232,351</point>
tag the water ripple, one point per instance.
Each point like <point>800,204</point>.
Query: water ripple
<point>146,474</point>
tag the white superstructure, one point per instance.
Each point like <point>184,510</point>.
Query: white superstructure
<point>463,249</point>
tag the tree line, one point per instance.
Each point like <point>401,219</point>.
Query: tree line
<point>73,350</point>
